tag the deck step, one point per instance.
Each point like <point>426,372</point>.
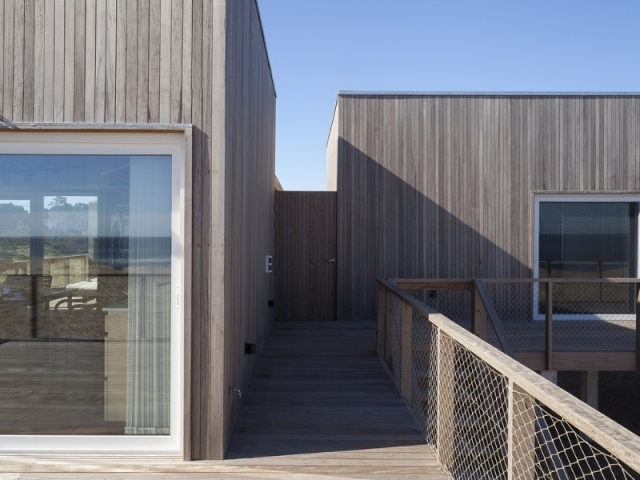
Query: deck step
<point>321,400</point>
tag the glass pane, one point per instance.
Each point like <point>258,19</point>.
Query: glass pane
<point>588,240</point>
<point>85,257</point>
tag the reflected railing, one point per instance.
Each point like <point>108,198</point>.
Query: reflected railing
<point>91,357</point>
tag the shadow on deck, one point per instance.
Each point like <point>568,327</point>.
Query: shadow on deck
<point>321,397</point>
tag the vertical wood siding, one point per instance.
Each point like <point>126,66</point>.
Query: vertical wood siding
<point>163,61</point>
<point>206,353</point>
<point>249,212</point>
<point>306,232</point>
<point>66,60</point>
<point>441,186</point>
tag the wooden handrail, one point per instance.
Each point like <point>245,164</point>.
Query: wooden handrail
<point>434,284</point>
<point>610,435</point>
<point>561,280</point>
<point>457,285</point>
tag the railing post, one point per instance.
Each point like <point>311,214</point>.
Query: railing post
<point>406,350</point>
<point>381,323</point>
<point>637,291</point>
<point>445,400</point>
<point>548,321</point>
<point>521,435</point>
<point>479,318</point>
<point>388,329</point>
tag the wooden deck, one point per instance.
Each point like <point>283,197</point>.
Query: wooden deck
<point>573,336</point>
<point>577,345</point>
<point>320,406</point>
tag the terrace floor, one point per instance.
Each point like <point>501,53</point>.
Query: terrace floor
<point>319,407</point>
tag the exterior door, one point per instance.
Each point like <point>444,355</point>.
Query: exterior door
<point>305,262</point>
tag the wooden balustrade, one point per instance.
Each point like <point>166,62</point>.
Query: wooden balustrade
<point>524,392</point>
<point>484,318</point>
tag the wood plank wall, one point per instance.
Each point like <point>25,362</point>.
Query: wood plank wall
<point>97,60</point>
<point>306,233</point>
<point>163,61</point>
<point>207,89</point>
<point>249,212</point>
<point>441,186</point>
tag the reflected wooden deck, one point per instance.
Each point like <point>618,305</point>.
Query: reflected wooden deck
<point>320,406</point>
<point>53,388</point>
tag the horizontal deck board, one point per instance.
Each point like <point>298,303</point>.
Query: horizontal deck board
<point>320,405</point>
<point>320,396</point>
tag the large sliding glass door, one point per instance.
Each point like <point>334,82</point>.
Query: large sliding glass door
<point>88,314</point>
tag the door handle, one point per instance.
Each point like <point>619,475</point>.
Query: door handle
<point>332,260</point>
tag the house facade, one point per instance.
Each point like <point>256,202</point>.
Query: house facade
<point>484,185</point>
<point>137,145</point>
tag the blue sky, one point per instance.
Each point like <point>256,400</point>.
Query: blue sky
<point>319,47</point>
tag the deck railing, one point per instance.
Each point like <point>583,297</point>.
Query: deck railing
<point>546,323</point>
<point>487,415</point>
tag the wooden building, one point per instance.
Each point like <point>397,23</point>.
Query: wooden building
<point>137,145</point>
<point>467,185</point>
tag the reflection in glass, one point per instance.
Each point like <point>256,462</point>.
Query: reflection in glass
<point>85,257</point>
<point>588,240</point>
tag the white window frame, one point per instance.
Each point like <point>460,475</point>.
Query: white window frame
<point>575,198</point>
<point>134,143</point>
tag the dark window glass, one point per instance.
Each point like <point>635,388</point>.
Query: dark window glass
<point>588,240</point>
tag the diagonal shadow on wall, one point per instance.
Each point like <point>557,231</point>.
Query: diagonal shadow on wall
<point>393,227</point>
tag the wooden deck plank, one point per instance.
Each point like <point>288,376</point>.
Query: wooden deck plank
<point>320,397</point>
<point>319,407</point>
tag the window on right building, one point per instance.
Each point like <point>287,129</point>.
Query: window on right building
<point>587,237</point>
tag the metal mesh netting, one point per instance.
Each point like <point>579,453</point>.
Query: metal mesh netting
<point>562,451</point>
<point>595,317</point>
<point>477,394</point>
<point>424,360</point>
<point>482,425</point>
<point>454,304</point>
<point>591,317</point>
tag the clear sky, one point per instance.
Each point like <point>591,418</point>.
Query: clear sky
<point>320,47</point>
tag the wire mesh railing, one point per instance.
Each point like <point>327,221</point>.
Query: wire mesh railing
<point>590,315</point>
<point>487,415</point>
<point>454,304</point>
<point>543,321</point>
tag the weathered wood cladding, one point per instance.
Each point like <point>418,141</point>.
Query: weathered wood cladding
<point>249,204</point>
<point>97,60</point>
<point>199,62</point>
<point>305,256</point>
<point>440,186</point>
